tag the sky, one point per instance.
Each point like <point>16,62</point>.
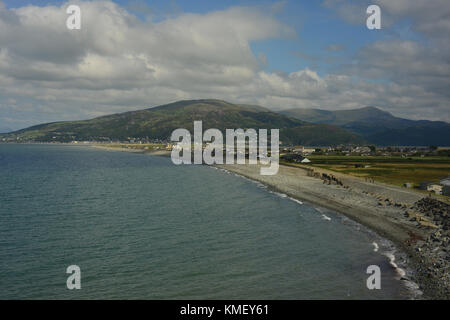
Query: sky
<point>136,54</point>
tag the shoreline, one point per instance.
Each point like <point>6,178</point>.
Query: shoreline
<point>163,153</point>
<point>392,252</point>
<point>359,201</point>
<point>380,208</point>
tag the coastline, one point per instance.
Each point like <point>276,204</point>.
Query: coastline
<point>360,201</point>
<point>381,208</point>
<point>163,153</point>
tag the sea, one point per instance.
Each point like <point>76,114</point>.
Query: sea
<point>140,227</point>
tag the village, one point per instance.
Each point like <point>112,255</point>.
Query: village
<point>372,162</point>
<point>424,168</point>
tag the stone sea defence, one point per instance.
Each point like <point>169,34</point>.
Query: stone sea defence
<point>433,251</point>
<point>417,226</point>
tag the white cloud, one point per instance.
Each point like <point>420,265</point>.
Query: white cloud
<point>427,16</point>
<point>117,62</point>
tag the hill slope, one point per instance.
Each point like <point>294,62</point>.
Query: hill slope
<point>159,122</point>
<point>379,127</point>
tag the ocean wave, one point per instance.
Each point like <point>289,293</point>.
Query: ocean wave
<point>375,246</point>
<point>410,285</point>
<point>281,195</point>
<point>398,270</point>
<point>295,200</point>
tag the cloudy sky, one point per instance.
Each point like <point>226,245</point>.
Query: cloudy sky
<point>136,54</point>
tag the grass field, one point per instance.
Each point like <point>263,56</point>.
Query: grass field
<point>393,170</point>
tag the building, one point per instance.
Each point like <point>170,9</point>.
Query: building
<point>435,187</point>
<point>308,151</point>
<point>297,149</point>
<point>361,150</point>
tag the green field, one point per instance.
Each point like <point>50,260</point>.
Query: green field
<point>388,169</point>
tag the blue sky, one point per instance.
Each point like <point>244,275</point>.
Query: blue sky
<point>317,27</point>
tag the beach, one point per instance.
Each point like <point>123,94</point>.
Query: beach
<point>388,210</point>
<point>385,209</point>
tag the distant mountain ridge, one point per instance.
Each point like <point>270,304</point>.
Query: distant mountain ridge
<point>379,127</point>
<point>159,122</point>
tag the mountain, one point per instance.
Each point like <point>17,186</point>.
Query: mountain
<point>379,127</point>
<point>159,122</point>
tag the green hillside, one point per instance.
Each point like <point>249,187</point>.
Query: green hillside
<point>159,122</point>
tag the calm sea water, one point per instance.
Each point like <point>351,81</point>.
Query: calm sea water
<point>140,227</point>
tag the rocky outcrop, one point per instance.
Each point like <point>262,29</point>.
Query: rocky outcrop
<point>434,251</point>
<point>437,211</point>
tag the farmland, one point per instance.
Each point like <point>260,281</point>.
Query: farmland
<point>395,170</point>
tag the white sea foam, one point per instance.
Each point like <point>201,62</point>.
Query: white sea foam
<point>375,246</point>
<point>391,258</point>
<point>324,217</point>
<point>295,200</point>
<point>281,195</point>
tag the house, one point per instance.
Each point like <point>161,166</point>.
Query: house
<point>297,149</point>
<point>435,187</point>
<point>361,150</point>
<point>308,151</point>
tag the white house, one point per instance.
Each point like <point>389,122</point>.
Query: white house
<point>308,151</point>
<point>435,187</point>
